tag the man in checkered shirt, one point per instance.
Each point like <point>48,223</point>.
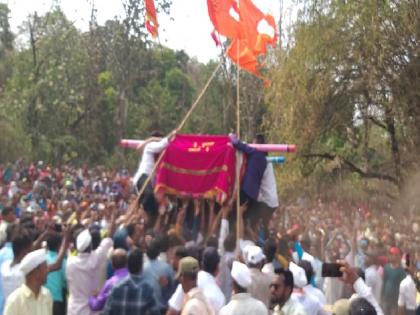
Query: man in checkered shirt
<point>133,295</point>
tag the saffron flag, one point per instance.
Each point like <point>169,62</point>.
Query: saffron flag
<point>248,28</point>
<point>198,166</point>
<point>240,53</point>
<point>222,15</point>
<point>151,18</point>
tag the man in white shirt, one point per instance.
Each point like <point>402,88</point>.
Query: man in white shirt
<point>151,147</point>
<point>242,303</point>
<point>268,188</point>
<point>407,294</point>
<point>12,276</point>
<point>206,281</point>
<point>310,302</point>
<point>309,288</point>
<point>31,297</point>
<point>372,276</point>
<point>82,270</point>
<point>260,286</point>
<point>195,303</point>
<point>226,247</point>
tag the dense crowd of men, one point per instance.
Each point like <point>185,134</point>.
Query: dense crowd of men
<point>76,241</point>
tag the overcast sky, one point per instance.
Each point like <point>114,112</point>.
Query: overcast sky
<point>187,28</point>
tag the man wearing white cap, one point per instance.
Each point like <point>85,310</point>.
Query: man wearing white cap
<point>31,297</point>
<point>242,303</point>
<point>309,302</point>
<point>260,282</point>
<point>83,270</point>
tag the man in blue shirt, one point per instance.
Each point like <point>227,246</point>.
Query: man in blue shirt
<point>56,281</point>
<point>159,273</point>
<point>250,185</point>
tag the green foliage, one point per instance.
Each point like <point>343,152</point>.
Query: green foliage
<point>341,92</point>
<point>70,96</point>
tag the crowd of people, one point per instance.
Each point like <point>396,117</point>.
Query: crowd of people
<point>77,241</point>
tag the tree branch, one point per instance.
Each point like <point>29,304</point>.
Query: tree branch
<point>353,167</point>
<point>377,122</point>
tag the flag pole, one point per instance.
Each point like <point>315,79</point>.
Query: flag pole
<point>238,167</point>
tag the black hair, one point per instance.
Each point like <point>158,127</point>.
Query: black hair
<point>259,138</point>
<point>21,241</point>
<point>309,271</point>
<point>230,242</point>
<point>75,230</point>
<point>194,252</point>
<point>360,273</point>
<point>96,237</point>
<point>212,241</point>
<point>288,277</point>
<point>211,260</point>
<point>135,261</point>
<point>150,232</point>
<point>119,261</point>
<point>361,306</point>
<point>306,244</point>
<point>174,241</point>
<point>156,133</point>
<point>9,231</point>
<point>54,242</point>
<point>153,250</point>
<point>163,242</point>
<point>181,252</point>
<point>131,228</point>
<point>283,246</point>
<point>7,210</point>
<point>27,221</point>
<point>269,249</point>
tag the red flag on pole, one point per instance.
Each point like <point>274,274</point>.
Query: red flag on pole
<point>151,18</point>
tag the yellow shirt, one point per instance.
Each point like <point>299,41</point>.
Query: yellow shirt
<point>23,301</point>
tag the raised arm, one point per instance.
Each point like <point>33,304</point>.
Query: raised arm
<point>157,147</point>
<point>196,220</point>
<point>240,145</point>
<point>62,252</point>
<point>362,290</point>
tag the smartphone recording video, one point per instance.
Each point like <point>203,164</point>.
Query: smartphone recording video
<point>331,270</point>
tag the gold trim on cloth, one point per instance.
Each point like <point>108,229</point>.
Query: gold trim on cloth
<point>208,194</point>
<point>218,169</point>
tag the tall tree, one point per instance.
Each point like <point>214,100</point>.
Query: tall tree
<point>335,90</point>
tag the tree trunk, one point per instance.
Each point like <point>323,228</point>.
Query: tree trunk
<point>395,150</point>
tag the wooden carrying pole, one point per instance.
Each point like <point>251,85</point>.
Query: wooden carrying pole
<point>238,166</point>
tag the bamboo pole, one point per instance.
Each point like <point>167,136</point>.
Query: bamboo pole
<point>238,167</point>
